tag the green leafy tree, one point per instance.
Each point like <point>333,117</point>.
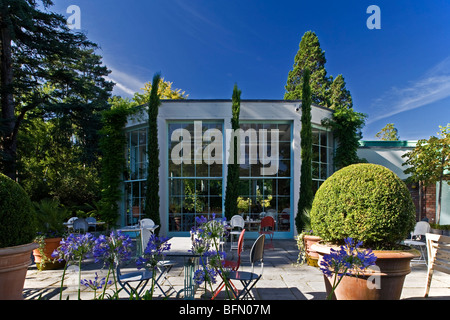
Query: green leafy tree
<point>388,133</point>
<point>429,162</point>
<point>231,192</point>
<point>311,56</point>
<point>38,48</point>
<point>152,201</point>
<point>49,165</point>
<point>165,91</point>
<point>306,192</point>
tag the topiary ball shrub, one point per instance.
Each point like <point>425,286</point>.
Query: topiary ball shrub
<point>366,202</point>
<point>17,217</point>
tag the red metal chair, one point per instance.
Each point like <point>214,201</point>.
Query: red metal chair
<point>267,227</point>
<point>232,264</point>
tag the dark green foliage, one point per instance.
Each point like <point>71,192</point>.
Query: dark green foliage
<point>112,144</point>
<point>50,165</point>
<point>17,218</point>
<point>231,192</point>
<point>366,202</point>
<point>152,202</point>
<point>327,92</point>
<point>306,193</point>
<point>346,125</point>
<point>338,95</point>
<point>310,56</point>
<point>49,71</point>
<point>50,217</point>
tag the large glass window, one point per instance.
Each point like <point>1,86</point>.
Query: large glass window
<point>195,155</point>
<point>135,174</point>
<point>266,192</point>
<point>321,157</point>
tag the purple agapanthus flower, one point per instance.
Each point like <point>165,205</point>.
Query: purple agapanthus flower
<point>349,257</point>
<point>115,248</point>
<point>154,252</point>
<point>205,274</point>
<point>95,284</point>
<point>74,247</point>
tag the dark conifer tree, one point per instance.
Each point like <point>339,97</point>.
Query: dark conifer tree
<point>310,55</point>
<point>306,192</point>
<point>152,200</point>
<point>231,192</point>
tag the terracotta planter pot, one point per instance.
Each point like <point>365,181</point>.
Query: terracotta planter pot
<point>312,256</point>
<point>51,244</point>
<point>384,282</point>
<point>135,211</point>
<point>14,262</point>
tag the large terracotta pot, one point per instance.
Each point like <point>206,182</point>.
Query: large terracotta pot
<point>384,282</point>
<point>312,256</point>
<point>14,262</point>
<point>51,244</point>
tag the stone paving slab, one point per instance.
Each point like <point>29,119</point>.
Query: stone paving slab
<point>283,279</point>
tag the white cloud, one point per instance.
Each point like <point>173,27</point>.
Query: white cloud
<point>432,87</point>
<point>125,83</point>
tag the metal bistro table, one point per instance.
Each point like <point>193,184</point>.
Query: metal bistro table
<point>179,248</point>
<point>137,233</point>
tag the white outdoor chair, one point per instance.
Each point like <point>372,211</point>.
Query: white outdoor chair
<point>237,224</point>
<point>417,240</point>
<point>70,222</point>
<point>148,224</point>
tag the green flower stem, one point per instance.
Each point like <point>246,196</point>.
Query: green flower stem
<point>333,288</point>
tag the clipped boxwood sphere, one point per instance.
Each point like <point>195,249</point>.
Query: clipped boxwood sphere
<point>17,218</point>
<point>366,202</point>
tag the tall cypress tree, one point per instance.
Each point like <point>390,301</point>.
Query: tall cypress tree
<point>152,193</point>
<point>231,193</point>
<point>310,55</point>
<point>306,192</point>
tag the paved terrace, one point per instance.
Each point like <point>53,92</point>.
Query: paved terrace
<point>283,279</point>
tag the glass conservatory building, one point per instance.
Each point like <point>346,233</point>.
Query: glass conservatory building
<point>194,140</point>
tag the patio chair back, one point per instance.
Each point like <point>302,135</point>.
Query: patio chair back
<point>80,224</point>
<point>237,221</point>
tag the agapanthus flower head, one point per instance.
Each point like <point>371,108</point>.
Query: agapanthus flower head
<point>154,252</point>
<point>347,259</point>
<point>112,249</point>
<point>74,247</point>
<point>205,274</point>
<point>95,284</point>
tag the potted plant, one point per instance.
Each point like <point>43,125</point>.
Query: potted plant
<point>305,241</point>
<point>17,231</point>
<point>370,204</point>
<point>50,220</point>
<point>440,229</point>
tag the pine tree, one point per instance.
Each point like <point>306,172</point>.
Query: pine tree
<point>152,201</point>
<point>231,192</point>
<point>38,48</point>
<point>306,192</point>
<point>310,56</point>
<point>339,95</point>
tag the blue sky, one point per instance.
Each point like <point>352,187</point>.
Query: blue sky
<point>397,74</point>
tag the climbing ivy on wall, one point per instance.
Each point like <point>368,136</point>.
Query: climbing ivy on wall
<point>112,145</point>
